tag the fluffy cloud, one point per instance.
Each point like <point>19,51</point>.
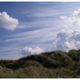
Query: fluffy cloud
<point>66,41</point>
<point>69,37</point>
<point>30,51</point>
<point>8,22</point>
<point>71,23</point>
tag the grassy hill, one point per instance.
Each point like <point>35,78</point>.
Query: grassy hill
<point>56,64</point>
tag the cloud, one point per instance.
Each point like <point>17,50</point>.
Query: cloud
<point>71,23</point>
<point>8,22</point>
<point>65,42</point>
<point>30,51</point>
<point>46,12</point>
<point>69,37</point>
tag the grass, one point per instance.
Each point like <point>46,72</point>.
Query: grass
<point>55,64</point>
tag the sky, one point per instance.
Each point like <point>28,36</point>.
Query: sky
<point>28,28</point>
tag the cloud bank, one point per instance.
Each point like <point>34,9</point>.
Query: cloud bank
<point>8,22</point>
<point>69,37</point>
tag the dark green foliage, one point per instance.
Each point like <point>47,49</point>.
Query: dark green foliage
<point>74,54</point>
<point>47,65</point>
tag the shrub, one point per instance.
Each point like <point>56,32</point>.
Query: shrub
<point>74,54</point>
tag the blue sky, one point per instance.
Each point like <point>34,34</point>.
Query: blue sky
<point>27,27</point>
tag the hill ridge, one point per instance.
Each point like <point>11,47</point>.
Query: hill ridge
<point>48,64</point>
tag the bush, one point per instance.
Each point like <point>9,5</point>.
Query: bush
<point>62,58</point>
<point>74,54</point>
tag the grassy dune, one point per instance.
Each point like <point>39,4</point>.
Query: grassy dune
<point>55,64</point>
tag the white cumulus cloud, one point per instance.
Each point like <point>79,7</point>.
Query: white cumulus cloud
<point>8,22</point>
<point>65,42</point>
<point>69,37</point>
<point>26,51</point>
<point>71,23</point>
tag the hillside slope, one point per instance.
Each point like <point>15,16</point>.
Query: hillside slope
<point>55,64</point>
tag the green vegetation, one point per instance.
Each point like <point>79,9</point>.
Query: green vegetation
<point>55,64</point>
